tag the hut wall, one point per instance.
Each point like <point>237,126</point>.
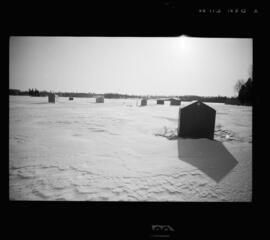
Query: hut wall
<point>160,101</point>
<point>100,100</point>
<point>143,102</point>
<point>51,98</point>
<point>196,122</point>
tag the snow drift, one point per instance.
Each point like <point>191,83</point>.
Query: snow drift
<point>116,151</point>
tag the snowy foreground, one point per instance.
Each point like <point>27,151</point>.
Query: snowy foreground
<point>117,151</point>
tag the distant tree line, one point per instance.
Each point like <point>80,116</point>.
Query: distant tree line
<point>33,92</point>
<point>218,99</point>
<point>243,98</point>
<point>37,93</point>
<point>17,92</point>
<point>117,95</point>
<point>75,94</point>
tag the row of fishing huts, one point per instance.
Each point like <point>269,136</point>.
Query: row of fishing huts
<point>196,120</point>
<point>100,99</point>
<point>173,101</point>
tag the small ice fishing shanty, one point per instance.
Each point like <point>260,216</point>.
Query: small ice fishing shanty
<point>51,98</point>
<point>100,99</point>
<point>176,102</point>
<point>196,120</point>
<point>144,102</point>
<point>159,101</point>
<point>70,98</point>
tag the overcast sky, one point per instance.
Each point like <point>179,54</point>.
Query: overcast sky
<point>131,65</point>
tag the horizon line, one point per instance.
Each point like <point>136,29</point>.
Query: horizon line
<point>132,94</point>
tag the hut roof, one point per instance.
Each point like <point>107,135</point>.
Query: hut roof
<point>197,103</point>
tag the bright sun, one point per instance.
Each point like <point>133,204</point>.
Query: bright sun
<point>184,43</point>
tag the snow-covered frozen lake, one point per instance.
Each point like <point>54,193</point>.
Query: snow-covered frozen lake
<point>117,151</point>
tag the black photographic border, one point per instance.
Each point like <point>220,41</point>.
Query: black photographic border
<point>166,18</point>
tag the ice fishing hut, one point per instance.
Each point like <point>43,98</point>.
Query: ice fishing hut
<point>196,120</point>
<point>159,101</point>
<point>71,98</point>
<point>176,102</point>
<point>100,99</point>
<point>51,98</point>
<point>144,102</point>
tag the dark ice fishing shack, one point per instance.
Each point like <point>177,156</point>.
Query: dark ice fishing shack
<point>100,99</point>
<point>160,101</point>
<point>144,102</point>
<point>51,98</point>
<point>196,120</point>
<point>175,102</point>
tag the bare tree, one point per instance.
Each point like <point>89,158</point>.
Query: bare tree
<point>238,85</point>
<point>250,72</point>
